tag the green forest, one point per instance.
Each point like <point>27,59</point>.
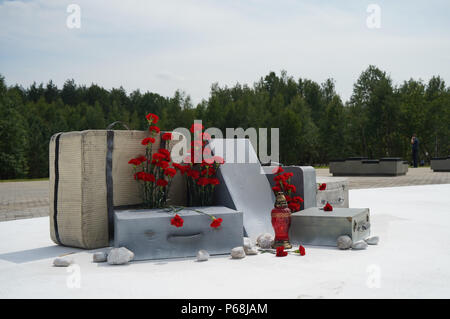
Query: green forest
<point>316,126</point>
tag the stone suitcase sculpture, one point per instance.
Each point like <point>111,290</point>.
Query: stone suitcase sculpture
<point>150,235</point>
<point>89,176</point>
<point>314,226</point>
<point>304,180</point>
<point>335,193</point>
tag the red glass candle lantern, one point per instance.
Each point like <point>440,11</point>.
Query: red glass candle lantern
<point>281,221</point>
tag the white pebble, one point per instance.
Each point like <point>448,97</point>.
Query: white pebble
<point>344,242</point>
<point>62,261</point>
<point>100,257</point>
<point>202,255</point>
<point>237,253</point>
<point>372,240</point>
<point>265,241</point>
<point>120,256</point>
<point>359,245</point>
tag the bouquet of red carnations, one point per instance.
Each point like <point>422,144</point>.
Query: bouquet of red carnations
<point>155,170</point>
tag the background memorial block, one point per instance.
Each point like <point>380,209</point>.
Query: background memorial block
<point>243,185</point>
<point>361,166</point>
<point>440,164</point>
<point>304,180</point>
<point>314,226</point>
<point>89,177</point>
<point>149,234</point>
<point>336,192</point>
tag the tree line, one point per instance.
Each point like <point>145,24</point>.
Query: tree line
<point>316,126</point>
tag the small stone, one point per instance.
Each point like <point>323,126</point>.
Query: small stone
<point>120,256</point>
<point>202,255</point>
<point>100,257</point>
<point>359,245</point>
<point>249,247</point>
<point>344,242</point>
<point>251,251</point>
<point>237,253</point>
<point>265,241</point>
<point>372,240</point>
<point>62,261</point>
<point>248,242</point>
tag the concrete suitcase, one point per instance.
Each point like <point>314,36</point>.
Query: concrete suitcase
<point>89,177</point>
<point>336,192</point>
<point>150,235</point>
<point>314,226</point>
<point>304,180</point>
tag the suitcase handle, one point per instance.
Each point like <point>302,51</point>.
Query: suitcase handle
<point>110,126</point>
<point>183,238</point>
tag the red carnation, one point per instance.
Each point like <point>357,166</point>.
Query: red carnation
<point>154,129</point>
<point>298,199</point>
<point>158,156</point>
<point>196,127</point>
<point>294,207</point>
<point>177,221</point>
<point>170,172</point>
<point>193,173</point>
<point>328,207</point>
<point>142,158</point>
<point>218,160</point>
<point>216,222</point>
<point>281,252</point>
<point>161,182</point>
<point>278,170</point>
<point>276,189</point>
<point>147,140</point>
<point>147,177</point>
<point>167,136</point>
<point>214,181</point>
<point>139,175</point>
<point>165,152</point>
<point>322,186</point>
<point>202,181</point>
<point>134,161</point>
<point>152,118</point>
<point>301,250</point>
<point>292,188</point>
<point>163,164</point>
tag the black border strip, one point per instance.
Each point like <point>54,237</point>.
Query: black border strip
<point>55,196</point>
<point>109,183</point>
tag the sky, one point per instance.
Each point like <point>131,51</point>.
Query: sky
<point>167,45</point>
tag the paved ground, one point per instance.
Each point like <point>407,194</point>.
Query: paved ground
<point>23,200</point>
<point>415,176</point>
<point>20,200</point>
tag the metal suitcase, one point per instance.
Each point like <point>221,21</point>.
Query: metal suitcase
<point>314,226</point>
<point>149,234</point>
<point>336,192</point>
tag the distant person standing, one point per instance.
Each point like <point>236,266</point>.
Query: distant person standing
<point>415,149</point>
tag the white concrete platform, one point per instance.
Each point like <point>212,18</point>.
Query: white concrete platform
<point>412,260</point>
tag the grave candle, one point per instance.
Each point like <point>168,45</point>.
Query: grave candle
<point>281,221</point>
